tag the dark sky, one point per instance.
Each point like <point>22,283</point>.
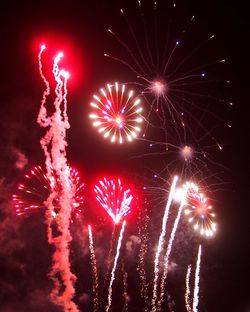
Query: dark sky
<point>79,28</point>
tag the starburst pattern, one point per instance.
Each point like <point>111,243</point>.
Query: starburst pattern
<point>117,113</point>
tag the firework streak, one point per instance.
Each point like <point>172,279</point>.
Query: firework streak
<point>114,266</point>
<point>58,220</point>
<point>169,249</point>
<point>143,234</point>
<point>196,283</point>
<point>160,243</point>
<point>109,260</point>
<point>94,270</point>
<point>187,293</point>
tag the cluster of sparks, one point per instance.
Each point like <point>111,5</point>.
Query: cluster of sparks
<point>117,113</point>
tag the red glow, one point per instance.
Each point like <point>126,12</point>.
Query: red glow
<point>55,43</point>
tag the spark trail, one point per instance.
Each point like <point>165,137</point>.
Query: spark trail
<point>160,243</point>
<point>114,266</point>
<point>94,270</point>
<point>196,283</point>
<point>187,293</point>
<point>109,261</point>
<point>58,220</point>
<point>169,249</point>
<point>141,268</point>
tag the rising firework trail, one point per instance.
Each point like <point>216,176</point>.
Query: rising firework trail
<point>94,270</point>
<point>169,249</point>
<point>187,293</point>
<point>141,268</point>
<point>114,266</point>
<point>160,243</point>
<point>196,282</point>
<point>54,146</point>
<point>109,261</point>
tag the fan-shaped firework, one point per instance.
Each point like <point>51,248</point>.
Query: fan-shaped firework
<point>36,188</point>
<point>117,113</point>
<point>199,212</point>
<point>114,198</point>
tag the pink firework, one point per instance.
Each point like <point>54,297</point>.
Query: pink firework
<point>117,113</point>
<point>114,198</point>
<point>35,189</point>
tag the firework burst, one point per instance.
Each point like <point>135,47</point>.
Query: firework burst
<point>170,78</point>
<point>35,189</point>
<point>199,212</point>
<point>117,113</point>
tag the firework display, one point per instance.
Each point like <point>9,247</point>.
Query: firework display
<point>125,264</point>
<point>117,113</point>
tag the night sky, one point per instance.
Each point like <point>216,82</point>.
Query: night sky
<point>79,28</point>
